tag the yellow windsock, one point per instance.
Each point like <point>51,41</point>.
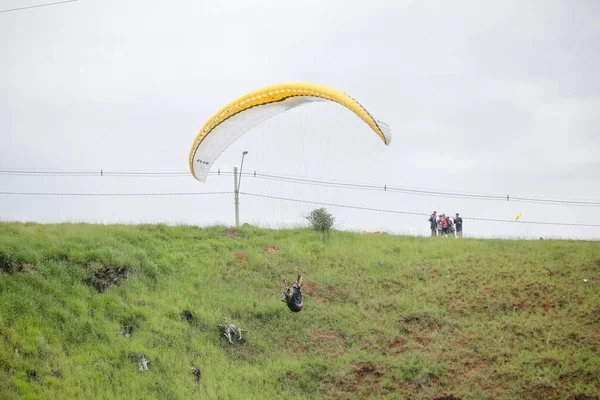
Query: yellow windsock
<point>518,216</point>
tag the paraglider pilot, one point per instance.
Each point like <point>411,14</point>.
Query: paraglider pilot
<point>293,295</point>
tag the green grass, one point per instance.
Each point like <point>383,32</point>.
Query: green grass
<point>385,316</point>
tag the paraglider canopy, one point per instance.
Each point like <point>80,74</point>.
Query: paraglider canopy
<point>251,109</point>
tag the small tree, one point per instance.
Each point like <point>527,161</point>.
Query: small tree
<point>321,220</point>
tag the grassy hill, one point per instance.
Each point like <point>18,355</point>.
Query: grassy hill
<point>385,316</point>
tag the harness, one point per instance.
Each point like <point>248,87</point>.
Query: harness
<point>295,303</point>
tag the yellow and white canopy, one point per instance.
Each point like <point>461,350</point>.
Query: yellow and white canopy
<point>248,111</point>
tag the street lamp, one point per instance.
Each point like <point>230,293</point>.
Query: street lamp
<point>236,187</point>
<point>241,166</point>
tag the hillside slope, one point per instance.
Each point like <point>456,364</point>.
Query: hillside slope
<point>384,316</point>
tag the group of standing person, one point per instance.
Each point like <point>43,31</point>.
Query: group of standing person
<point>443,225</point>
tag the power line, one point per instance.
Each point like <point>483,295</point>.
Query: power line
<point>102,173</point>
<point>431,193</point>
<point>333,205</point>
<point>36,6</point>
<point>287,199</point>
<point>411,213</point>
<point>378,187</point>
<point>113,194</point>
<point>315,182</point>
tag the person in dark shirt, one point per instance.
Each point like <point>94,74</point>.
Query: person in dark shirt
<point>458,224</point>
<point>293,295</point>
<point>433,223</point>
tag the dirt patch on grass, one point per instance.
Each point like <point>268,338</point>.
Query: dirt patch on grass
<point>547,297</point>
<point>584,377</point>
<point>466,364</point>
<point>310,288</point>
<point>366,369</point>
<point>294,346</point>
<point>533,296</point>
<point>398,345</point>
<point>547,362</point>
<point>327,342</point>
<point>325,335</point>
<point>241,257</point>
<point>364,380</point>
<point>230,233</point>
<point>333,294</point>
<point>540,391</point>
<point>329,293</point>
<point>288,380</point>
<point>101,277</point>
<point>590,337</point>
<point>595,315</point>
<point>9,265</point>
<point>528,298</point>
<point>271,250</point>
<point>422,341</point>
<point>392,285</point>
<point>27,268</point>
<point>472,259</point>
<point>426,322</point>
<point>368,378</point>
<point>365,345</point>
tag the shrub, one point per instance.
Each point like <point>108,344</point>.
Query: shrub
<point>321,220</point>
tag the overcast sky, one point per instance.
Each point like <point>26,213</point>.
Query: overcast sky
<point>481,96</point>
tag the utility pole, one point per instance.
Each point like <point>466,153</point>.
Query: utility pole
<point>236,197</point>
<point>236,189</point>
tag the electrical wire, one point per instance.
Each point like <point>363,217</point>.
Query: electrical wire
<point>37,6</point>
<point>102,173</point>
<point>114,194</point>
<point>292,200</point>
<point>411,213</point>
<point>426,192</point>
<point>316,182</point>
